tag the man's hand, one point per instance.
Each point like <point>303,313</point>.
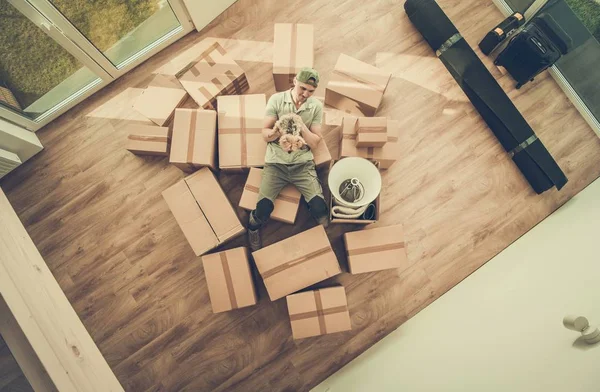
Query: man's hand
<point>271,131</point>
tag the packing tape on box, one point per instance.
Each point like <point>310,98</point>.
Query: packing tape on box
<point>228,280</point>
<point>371,130</point>
<point>289,199</point>
<point>320,313</point>
<point>375,249</point>
<point>191,137</point>
<point>299,260</point>
<point>203,56</point>
<point>361,81</point>
<point>144,138</point>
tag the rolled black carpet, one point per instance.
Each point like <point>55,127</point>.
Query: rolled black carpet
<point>503,118</point>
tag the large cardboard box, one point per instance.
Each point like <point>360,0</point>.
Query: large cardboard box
<point>386,155</point>
<point>355,87</point>
<point>285,206</point>
<point>194,139</point>
<point>321,154</point>
<point>214,74</point>
<point>319,312</point>
<point>296,262</point>
<point>148,139</point>
<point>159,100</point>
<point>293,48</point>
<point>371,132</point>
<point>203,211</point>
<point>241,144</point>
<point>376,249</point>
<point>229,280</point>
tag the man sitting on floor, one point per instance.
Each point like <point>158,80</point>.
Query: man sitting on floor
<point>296,167</point>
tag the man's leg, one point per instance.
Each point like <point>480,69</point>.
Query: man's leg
<point>306,180</point>
<point>274,178</point>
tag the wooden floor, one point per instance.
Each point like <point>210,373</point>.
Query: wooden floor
<point>96,213</point>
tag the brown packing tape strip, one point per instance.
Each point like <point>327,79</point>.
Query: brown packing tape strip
<point>235,131</point>
<point>372,130</point>
<point>228,280</point>
<point>347,136</point>
<point>320,316</point>
<point>235,84</point>
<point>243,143</point>
<point>359,80</point>
<point>234,81</point>
<point>315,313</point>
<point>289,199</point>
<point>293,49</point>
<point>294,262</point>
<point>192,137</point>
<point>375,249</point>
<point>218,83</point>
<point>143,138</point>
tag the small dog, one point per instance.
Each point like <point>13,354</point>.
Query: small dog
<point>290,127</point>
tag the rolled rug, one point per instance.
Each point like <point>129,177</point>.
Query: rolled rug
<point>494,106</point>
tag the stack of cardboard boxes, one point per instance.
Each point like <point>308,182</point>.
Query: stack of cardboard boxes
<point>226,134</point>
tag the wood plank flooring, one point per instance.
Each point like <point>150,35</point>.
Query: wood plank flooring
<point>96,213</point>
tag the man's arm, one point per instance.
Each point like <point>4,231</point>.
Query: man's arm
<point>312,136</point>
<point>269,132</point>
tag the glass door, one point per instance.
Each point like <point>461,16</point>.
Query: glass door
<point>55,53</point>
<point>37,72</point>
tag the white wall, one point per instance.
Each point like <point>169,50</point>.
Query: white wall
<point>501,329</point>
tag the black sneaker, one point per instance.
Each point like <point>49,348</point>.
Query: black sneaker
<point>254,239</point>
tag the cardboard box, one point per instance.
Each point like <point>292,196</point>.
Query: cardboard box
<point>229,280</point>
<point>159,100</point>
<point>285,206</point>
<point>321,154</point>
<point>371,132</point>
<point>194,139</point>
<point>318,312</point>
<point>203,211</point>
<point>386,155</point>
<point>356,87</point>
<point>376,249</point>
<point>148,140</point>
<point>293,48</point>
<point>241,144</point>
<point>215,73</point>
<point>358,221</point>
<point>296,262</point>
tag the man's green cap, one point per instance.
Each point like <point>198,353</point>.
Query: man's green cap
<point>309,76</point>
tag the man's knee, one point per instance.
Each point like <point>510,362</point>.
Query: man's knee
<point>261,214</point>
<point>318,207</point>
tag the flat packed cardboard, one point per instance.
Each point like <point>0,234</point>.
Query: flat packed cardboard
<point>321,154</point>
<point>293,48</point>
<point>148,139</point>
<point>214,74</point>
<point>159,100</point>
<point>285,206</point>
<point>371,132</point>
<point>376,249</point>
<point>296,262</point>
<point>241,144</point>
<point>229,280</point>
<point>318,312</point>
<point>386,155</point>
<point>194,139</point>
<point>355,87</point>
<point>203,211</point>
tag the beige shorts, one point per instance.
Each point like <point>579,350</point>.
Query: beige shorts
<point>303,176</point>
